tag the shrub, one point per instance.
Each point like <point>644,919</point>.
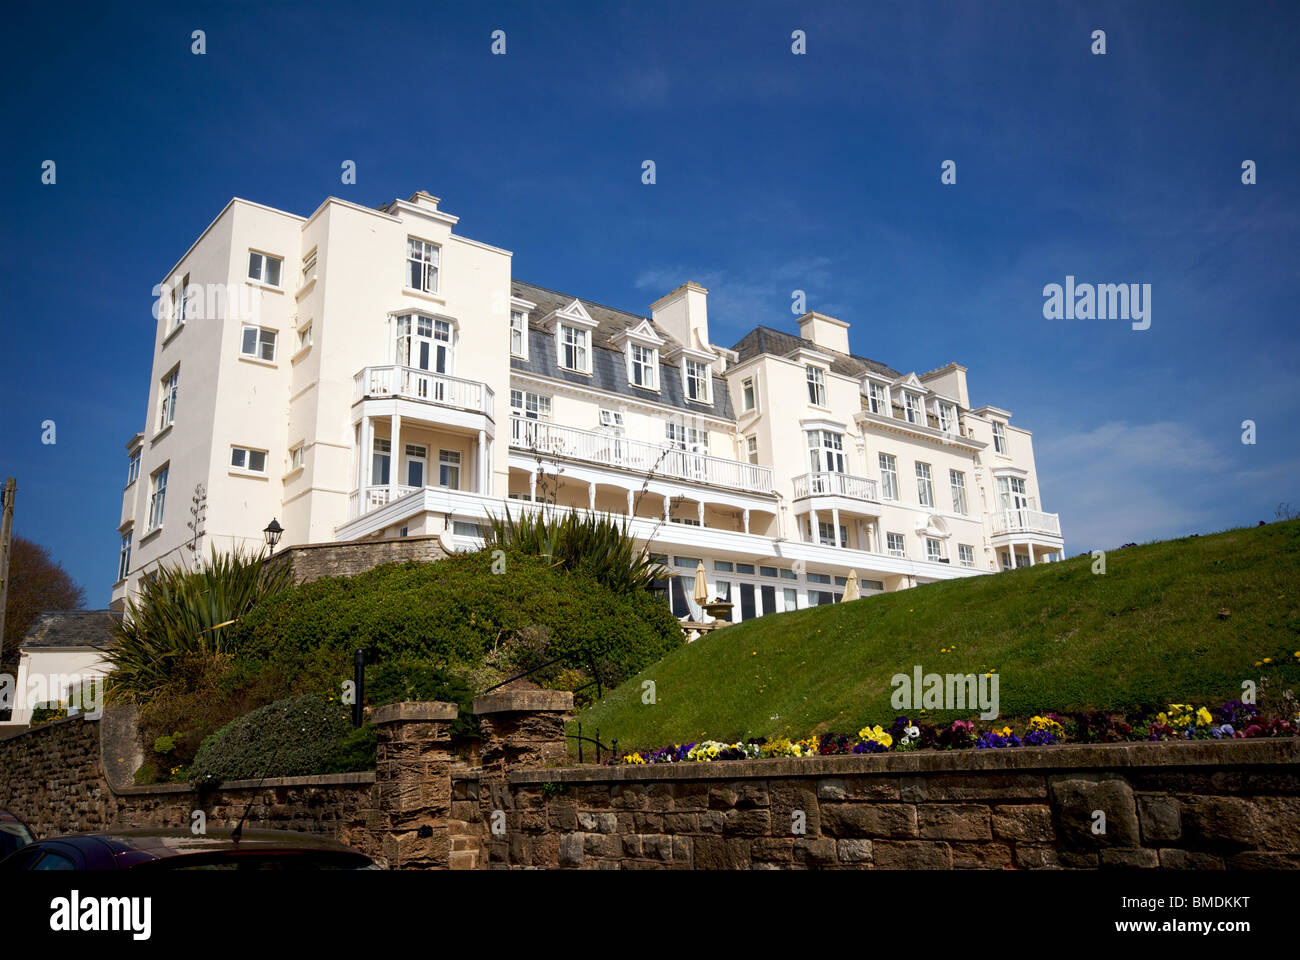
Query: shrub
<point>292,737</point>
<point>598,546</point>
<point>356,751</point>
<point>206,693</point>
<point>182,613</point>
<point>417,680</point>
<point>46,712</point>
<point>455,613</point>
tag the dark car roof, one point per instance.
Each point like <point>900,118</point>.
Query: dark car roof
<point>181,842</point>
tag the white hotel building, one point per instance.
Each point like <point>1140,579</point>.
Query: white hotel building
<point>374,374</point>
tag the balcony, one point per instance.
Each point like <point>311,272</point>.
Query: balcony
<point>372,498</point>
<point>1024,520</point>
<point>660,460</point>
<point>412,383</point>
<point>834,485</point>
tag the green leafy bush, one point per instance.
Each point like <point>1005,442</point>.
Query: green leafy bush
<point>457,613</point>
<point>206,693</point>
<point>298,736</point>
<point>183,613</point>
<point>417,680</point>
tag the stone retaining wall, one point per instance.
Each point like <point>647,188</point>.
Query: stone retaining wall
<point>311,561</point>
<point>1201,805</point>
<point>55,777</point>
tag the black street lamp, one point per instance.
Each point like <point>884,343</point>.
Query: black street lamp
<point>272,533</point>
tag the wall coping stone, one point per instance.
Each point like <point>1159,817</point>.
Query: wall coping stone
<point>411,710</point>
<point>35,729</point>
<point>359,778</point>
<point>524,701</point>
<point>1041,760</point>
<point>336,544</point>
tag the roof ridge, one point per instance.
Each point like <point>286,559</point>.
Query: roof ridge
<point>594,303</point>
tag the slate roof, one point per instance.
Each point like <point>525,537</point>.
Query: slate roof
<point>72,628</point>
<point>766,340</point>
<point>609,369</point>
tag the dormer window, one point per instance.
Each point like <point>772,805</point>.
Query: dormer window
<point>575,348</point>
<point>698,381</point>
<point>643,366</point>
<point>947,417</point>
<point>912,408</point>
<point>877,400</point>
<point>816,378</point>
<point>518,334</point>
<point>999,438</point>
<point>423,262</point>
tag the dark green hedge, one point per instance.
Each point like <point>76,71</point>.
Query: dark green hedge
<point>397,681</point>
<point>451,612</point>
<point>298,736</point>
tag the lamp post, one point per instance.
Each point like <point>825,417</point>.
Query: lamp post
<point>272,533</point>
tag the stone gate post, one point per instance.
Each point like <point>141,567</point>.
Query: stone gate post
<point>413,783</point>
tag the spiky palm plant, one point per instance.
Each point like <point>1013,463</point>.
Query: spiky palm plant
<point>600,546</point>
<point>182,613</point>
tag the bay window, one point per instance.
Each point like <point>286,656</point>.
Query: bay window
<point>826,451</point>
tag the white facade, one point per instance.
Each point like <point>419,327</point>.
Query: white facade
<point>370,373</point>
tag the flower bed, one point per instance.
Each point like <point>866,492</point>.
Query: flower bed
<point>1179,721</point>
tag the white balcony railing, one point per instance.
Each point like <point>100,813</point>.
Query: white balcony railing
<point>660,460</point>
<point>372,498</point>
<point>412,383</point>
<point>834,485</point>
<point>1024,520</point>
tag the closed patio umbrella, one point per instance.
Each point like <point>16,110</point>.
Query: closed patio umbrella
<point>851,586</point>
<point>701,593</point>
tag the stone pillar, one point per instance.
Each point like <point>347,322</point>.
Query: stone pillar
<point>413,784</point>
<point>520,729</point>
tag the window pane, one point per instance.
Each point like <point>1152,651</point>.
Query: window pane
<point>237,457</point>
<point>249,346</point>
<point>257,461</point>
<point>273,271</point>
<point>255,266</point>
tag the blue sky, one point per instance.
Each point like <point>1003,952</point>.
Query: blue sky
<point>775,172</point>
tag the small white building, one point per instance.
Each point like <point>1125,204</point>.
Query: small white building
<point>64,649</point>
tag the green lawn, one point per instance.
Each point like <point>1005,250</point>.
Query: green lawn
<point>1061,638</point>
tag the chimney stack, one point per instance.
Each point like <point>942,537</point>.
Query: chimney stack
<point>825,331</point>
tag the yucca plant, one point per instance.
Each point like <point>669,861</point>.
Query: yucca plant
<point>600,546</point>
<point>182,613</point>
